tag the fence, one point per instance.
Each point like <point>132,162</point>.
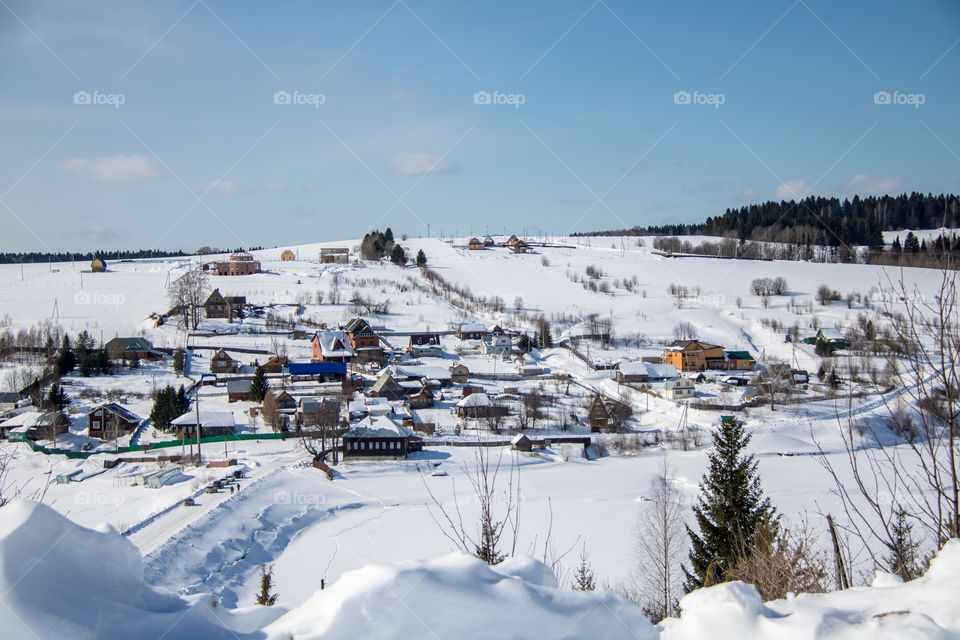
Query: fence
<point>82,455</point>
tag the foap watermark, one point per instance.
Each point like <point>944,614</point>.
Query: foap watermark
<point>99,298</point>
<point>99,498</point>
<point>696,97</point>
<point>511,99</point>
<point>99,98</point>
<point>895,97</point>
<point>299,98</point>
<point>299,498</point>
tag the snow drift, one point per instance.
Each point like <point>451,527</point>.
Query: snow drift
<point>60,580</point>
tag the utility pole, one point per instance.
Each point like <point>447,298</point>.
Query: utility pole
<point>197,405</point>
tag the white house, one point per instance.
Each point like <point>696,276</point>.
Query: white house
<point>679,389</point>
<point>496,344</point>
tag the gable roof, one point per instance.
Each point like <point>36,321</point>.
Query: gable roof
<point>121,411</point>
<point>208,418</point>
<point>129,344</point>
<point>479,399</point>
<point>333,344</point>
<point>214,297</point>
<point>238,386</point>
<point>377,427</point>
<point>692,345</point>
<point>386,381</point>
<point>598,405</point>
<point>221,355</point>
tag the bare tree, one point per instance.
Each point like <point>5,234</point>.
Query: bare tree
<point>660,545</point>
<point>271,416</point>
<point>324,429</point>
<point>187,294</point>
<point>684,330</point>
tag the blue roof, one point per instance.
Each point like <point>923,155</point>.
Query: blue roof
<point>315,368</point>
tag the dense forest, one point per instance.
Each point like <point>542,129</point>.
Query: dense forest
<point>821,229</point>
<point>122,254</point>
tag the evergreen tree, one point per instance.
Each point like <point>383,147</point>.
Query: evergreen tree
<point>421,258</point>
<point>66,361</point>
<point>903,549</point>
<point>730,511</point>
<point>876,239</point>
<point>896,247</point>
<point>57,398</point>
<point>398,256</point>
<point>179,361</point>
<point>583,579</point>
<point>911,244</point>
<point>181,404</point>
<point>266,597</point>
<point>259,385</point>
<point>544,339</point>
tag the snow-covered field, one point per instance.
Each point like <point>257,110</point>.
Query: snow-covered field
<point>287,514</point>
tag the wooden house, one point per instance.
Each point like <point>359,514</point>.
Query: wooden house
<point>521,442</point>
<point>387,387</point>
<point>521,247</point>
<point>226,307</point>
<point>692,355</point>
<point>475,244</point>
<point>598,416</point>
<point>313,411</point>
<point>238,390</point>
<point>285,402</point>
<point>221,362</point>
<point>275,364</point>
<point>334,255</point>
<point>136,348</point>
<point>365,341</point>
<point>471,331</point>
<point>513,240</point>
<point>641,372</point>
<point>488,241</point>
<point>378,437</point>
<point>110,421</point>
<point>287,256</point>
<point>423,399</point>
<point>211,423</point>
<point>332,346</point>
<point>459,373</point>
<point>475,405</point>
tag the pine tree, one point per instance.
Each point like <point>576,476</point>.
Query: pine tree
<point>259,385</point>
<point>421,258</point>
<point>265,597</point>
<point>903,548</point>
<point>179,361</point>
<point>583,580</point>
<point>66,361</point>
<point>876,239</point>
<point>57,398</point>
<point>730,511</point>
<point>912,243</point>
<point>896,247</point>
<point>398,256</point>
<point>181,404</point>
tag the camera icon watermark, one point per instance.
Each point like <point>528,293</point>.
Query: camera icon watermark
<point>299,498</point>
<point>510,99</point>
<point>698,98</point>
<point>98,98</point>
<point>98,298</point>
<point>299,98</point>
<point>895,97</point>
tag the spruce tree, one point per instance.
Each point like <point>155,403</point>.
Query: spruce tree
<point>66,361</point>
<point>57,398</point>
<point>421,258</point>
<point>583,579</point>
<point>398,256</point>
<point>903,548</point>
<point>179,361</point>
<point>730,511</point>
<point>259,385</point>
<point>181,404</point>
<point>266,597</point>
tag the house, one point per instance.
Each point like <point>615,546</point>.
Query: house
<point>738,361</point>
<point>521,247</point>
<point>521,442</point>
<point>97,265</point>
<point>31,425</point>
<point>227,307</point>
<point>423,399</point>
<point>832,337</point>
<point>332,346</point>
<point>475,405</point>
<point>692,355</point>
<point>529,370</point>
<point>425,345</point>
<point>287,256</point>
<point>424,339</point>
<point>369,406</point>
<point>238,390</point>
<point>513,240</point>
<point>334,255</point>
<point>471,331</point>
<point>459,373</point>
<point>110,421</point>
<point>285,402</point>
<point>131,349</point>
<point>313,411</point>
<point>212,423</point>
<point>437,376</point>
<point>496,344</point>
<point>275,364</point>
<point>8,400</point>
<point>221,362</point>
<point>365,341</point>
<point>598,416</point>
<point>386,386</point>
<point>641,372</point>
<point>378,437</point>
<point>317,371</point>
<point>679,389</point>
<point>240,263</point>
<point>488,241</point>
<point>474,244</point>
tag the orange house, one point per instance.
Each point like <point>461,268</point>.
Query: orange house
<point>692,355</point>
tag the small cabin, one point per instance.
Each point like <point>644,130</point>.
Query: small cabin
<point>474,244</point>
<point>287,256</point>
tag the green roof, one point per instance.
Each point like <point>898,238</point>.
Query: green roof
<point>739,355</point>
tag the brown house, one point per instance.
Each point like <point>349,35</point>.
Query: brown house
<point>226,307</point>
<point>275,364</point>
<point>387,387</point>
<point>331,346</point>
<point>221,362</point>
<point>364,340</point>
<point>240,264</point>
<point>423,399</point>
<point>598,417</point>
<point>131,349</point>
<point>110,421</point>
<point>238,390</point>
<point>475,244</point>
<point>459,373</point>
<point>285,402</point>
<point>692,355</point>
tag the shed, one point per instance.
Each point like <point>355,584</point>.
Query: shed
<point>287,256</point>
<point>521,442</point>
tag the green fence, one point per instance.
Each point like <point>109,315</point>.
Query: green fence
<point>166,444</point>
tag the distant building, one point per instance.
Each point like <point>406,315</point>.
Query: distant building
<point>227,307</point>
<point>332,346</point>
<point>317,371</point>
<point>287,256</point>
<point>474,244</point>
<point>365,341</point>
<point>459,373</point>
<point>239,264</point>
<point>521,442</point>
<point>379,437</point>
<point>221,362</point>
<point>423,399</point>
<point>640,372</point>
<point>136,348</point>
<point>598,417</point>
<point>471,331</point>
<point>238,390</point>
<point>334,255</point>
<point>386,386</point>
<point>212,423</point>
<point>496,344</point>
<point>110,421</point>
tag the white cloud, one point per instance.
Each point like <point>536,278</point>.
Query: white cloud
<point>865,184</point>
<point>309,186</point>
<point>748,195</point>
<point>115,168</point>
<point>797,189</point>
<point>223,188</point>
<point>270,185</point>
<point>417,163</point>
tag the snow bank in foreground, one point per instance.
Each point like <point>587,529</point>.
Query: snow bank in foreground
<point>60,580</point>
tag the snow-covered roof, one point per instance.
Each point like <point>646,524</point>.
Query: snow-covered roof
<point>334,344</point>
<point>520,437</point>
<point>648,369</point>
<point>475,400</point>
<point>26,419</point>
<point>376,427</point>
<point>208,418</point>
<point>473,327</point>
<point>419,371</point>
<point>831,334</point>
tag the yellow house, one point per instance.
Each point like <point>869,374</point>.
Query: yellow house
<point>692,355</point>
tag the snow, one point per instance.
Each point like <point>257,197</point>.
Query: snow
<point>61,580</point>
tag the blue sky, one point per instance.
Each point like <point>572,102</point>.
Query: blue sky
<point>583,129</point>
